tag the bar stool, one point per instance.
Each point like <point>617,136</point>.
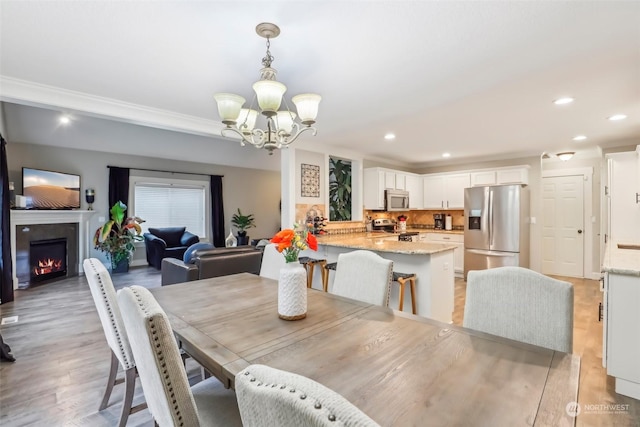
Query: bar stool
<point>325,277</point>
<point>402,278</point>
<point>309,264</point>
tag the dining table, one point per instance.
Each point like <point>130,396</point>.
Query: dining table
<point>398,368</point>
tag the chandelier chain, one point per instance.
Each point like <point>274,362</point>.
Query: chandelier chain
<point>266,61</point>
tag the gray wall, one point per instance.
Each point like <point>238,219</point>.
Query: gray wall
<point>253,191</point>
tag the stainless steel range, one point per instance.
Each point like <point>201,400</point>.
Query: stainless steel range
<point>384,224</point>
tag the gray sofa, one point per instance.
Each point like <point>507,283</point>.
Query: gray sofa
<point>215,262</point>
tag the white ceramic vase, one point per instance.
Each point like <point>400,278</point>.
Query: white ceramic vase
<point>292,292</point>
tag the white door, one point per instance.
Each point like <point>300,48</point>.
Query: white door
<point>563,226</point>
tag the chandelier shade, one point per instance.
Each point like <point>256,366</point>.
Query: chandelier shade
<point>282,128</point>
<point>229,106</point>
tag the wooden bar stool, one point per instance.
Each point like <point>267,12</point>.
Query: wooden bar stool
<point>309,264</point>
<point>325,276</point>
<point>402,278</point>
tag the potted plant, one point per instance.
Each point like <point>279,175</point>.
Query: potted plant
<point>116,237</point>
<point>242,222</point>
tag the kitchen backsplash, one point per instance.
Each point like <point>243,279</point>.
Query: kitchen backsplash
<point>421,218</point>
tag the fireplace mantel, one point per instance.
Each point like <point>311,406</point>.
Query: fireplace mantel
<point>31,217</point>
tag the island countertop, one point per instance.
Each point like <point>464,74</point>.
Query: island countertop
<point>620,260</point>
<point>383,242</point>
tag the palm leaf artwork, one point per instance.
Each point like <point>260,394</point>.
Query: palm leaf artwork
<point>339,190</point>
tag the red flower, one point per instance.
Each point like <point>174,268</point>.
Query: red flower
<point>312,242</point>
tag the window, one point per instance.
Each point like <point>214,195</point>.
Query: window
<point>171,203</point>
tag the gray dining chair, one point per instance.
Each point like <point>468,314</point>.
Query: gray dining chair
<point>272,262</point>
<point>363,276</point>
<point>104,297</point>
<point>171,401</point>
<point>521,304</point>
<point>271,397</point>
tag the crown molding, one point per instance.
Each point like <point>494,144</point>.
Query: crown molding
<point>39,95</point>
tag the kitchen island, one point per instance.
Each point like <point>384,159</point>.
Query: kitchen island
<point>431,262</point>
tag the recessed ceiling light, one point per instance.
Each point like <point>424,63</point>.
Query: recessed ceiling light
<point>64,119</point>
<point>389,137</point>
<point>445,155</point>
<point>563,101</point>
<point>579,138</point>
<point>617,117</point>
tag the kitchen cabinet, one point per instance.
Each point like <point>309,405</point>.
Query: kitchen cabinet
<point>376,180</point>
<point>519,175</point>
<point>414,187</point>
<point>453,239</point>
<point>481,179</point>
<point>373,188</point>
<point>622,321</point>
<point>623,196</point>
<point>445,191</point>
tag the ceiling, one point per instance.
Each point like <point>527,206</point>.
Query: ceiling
<point>476,79</point>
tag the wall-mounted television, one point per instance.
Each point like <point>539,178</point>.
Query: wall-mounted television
<point>50,190</point>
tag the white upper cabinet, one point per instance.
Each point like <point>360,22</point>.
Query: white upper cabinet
<point>394,180</point>
<point>480,179</point>
<point>519,175</point>
<point>512,176</point>
<point>374,183</point>
<point>414,187</point>
<point>445,191</point>
<point>624,211</point>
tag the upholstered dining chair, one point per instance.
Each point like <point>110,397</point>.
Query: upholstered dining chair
<point>271,397</point>
<point>171,401</point>
<point>364,276</point>
<point>272,262</point>
<point>521,304</point>
<point>104,297</point>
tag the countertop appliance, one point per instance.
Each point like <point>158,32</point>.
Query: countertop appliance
<point>438,221</point>
<point>396,200</point>
<point>384,224</point>
<point>496,230</point>
<point>408,237</point>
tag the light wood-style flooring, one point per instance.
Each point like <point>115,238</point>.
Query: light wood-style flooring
<point>63,358</point>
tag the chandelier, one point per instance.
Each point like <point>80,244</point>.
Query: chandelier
<point>281,127</point>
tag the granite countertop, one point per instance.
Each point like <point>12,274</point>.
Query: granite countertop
<point>380,242</point>
<point>621,261</point>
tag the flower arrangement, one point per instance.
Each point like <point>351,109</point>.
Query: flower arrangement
<point>291,241</point>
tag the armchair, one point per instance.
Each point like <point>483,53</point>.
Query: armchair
<point>170,242</point>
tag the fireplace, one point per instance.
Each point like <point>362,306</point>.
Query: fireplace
<point>47,259</point>
<point>45,252</point>
<point>30,224</point>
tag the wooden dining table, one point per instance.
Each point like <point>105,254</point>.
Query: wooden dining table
<point>400,369</point>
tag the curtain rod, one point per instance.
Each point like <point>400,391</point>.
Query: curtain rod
<point>160,170</point>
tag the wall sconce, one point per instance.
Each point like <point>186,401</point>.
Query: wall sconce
<point>565,155</point>
<point>90,196</point>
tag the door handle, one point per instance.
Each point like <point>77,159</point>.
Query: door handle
<point>600,312</point>
<point>579,231</point>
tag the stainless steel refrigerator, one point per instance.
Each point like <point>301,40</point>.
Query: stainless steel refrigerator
<point>496,230</point>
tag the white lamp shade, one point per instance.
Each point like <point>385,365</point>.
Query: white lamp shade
<point>307,106</point>
<point>285,121</point>
<point>269,94</point>
<point>229,106</point>
<point>247,120</point>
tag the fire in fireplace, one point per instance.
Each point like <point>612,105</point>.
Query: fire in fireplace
<point>47,259</point>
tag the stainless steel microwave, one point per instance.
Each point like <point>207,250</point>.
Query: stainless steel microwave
<point>396,200</point>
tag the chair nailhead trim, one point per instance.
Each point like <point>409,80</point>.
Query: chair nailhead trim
<point>303,396</point>
<point>317,405</point>
<point>332,417</point>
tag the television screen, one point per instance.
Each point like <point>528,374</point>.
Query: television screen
<point>50,190</point>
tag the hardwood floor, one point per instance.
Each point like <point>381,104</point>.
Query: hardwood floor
<point>63,358</point>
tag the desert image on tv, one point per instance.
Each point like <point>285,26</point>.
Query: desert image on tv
<point>51,190</point>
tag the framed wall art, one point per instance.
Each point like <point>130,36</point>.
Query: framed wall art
<point>310,182</point>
